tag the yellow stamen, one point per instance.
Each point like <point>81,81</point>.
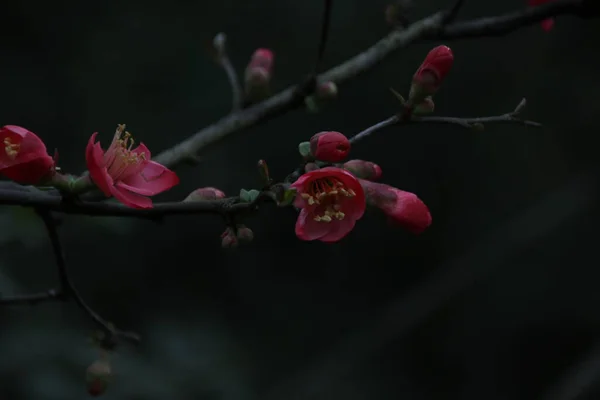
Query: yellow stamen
<point>11,149</point>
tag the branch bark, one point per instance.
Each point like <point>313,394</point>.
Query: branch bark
<point>433,27</point>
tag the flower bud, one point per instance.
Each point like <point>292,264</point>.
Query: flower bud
<point>229,239</point>
<point>98,376</point>
<point>324,93</point>
<point>257,77</point>
<point>329,146</point>
<point>311,166</point>
<point>326,90</point>
<point>548,23</point>
<point>244,233</point>
<point>363,169</point>
<point>204,194</point>
<point>431,73</point>
<point>402,208</point>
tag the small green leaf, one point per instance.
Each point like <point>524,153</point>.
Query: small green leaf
<point>288,197</point>
<point>252,195</point>
<point>311,104</point>
<point>245,195</point>
<point>304,149</point>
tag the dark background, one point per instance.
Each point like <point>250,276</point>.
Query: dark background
<point>497,300</point>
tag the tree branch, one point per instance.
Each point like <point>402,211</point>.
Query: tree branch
<point>430,28</point>
<point>67,289</point>
<point>504,24</point>
<point>49,202</point>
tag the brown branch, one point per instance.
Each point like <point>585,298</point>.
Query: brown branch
<point>434,27</point>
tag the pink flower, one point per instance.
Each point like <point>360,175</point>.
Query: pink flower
<point>547,24</point>
<point>402,208</point>
<point>331,201</point>
<point>329,146</point>
<point>126,173</point>
<point>25,158</point>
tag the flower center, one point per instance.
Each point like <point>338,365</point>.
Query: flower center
<point>119,157</point>
<point>325,195</point>
<point>11,149</point>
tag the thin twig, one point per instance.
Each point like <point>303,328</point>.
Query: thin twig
<point>470,123</point>
<point>31,299</point>
<point>67,289</point>
<point>236,89</point>
<point>220,43</point>
<point>429,28</point>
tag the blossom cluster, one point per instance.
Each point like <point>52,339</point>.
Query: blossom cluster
<point>331,194</point>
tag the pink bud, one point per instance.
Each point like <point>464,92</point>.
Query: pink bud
<point>548,23</point>
<point>244,233</point>
<point>97,377</point>
<point>363,169</point>
<point>311,167</point>
<point>329,146</point>
<point>326,91</point>
<point>258,75</point>
<point>228,239</point>
<point>262,58</point>
<point>204,194</point>
<point>402,208</point>
<point>431,73</point>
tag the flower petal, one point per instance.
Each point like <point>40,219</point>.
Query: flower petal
<point>339,230</point>
<point>31,171</point>
<point>131,199</point>
<point>94,157</point>
<point>153,179</point>
<point>309,229</point>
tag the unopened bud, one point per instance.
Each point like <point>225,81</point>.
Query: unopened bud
<point>257,76</point>
<point>431,73</point>
<point>204,194</point>
<point>326,90</point>
<point>402,208</point>
<point>244,233</point>
<point>229,239</point>
<point>363,169</point>
<point>311,166</point>
<point>98,376</point>
<point>329,146</point>
<point>477,127</point>
<point>324,93</point>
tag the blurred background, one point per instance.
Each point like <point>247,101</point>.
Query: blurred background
<point>497,300</point>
